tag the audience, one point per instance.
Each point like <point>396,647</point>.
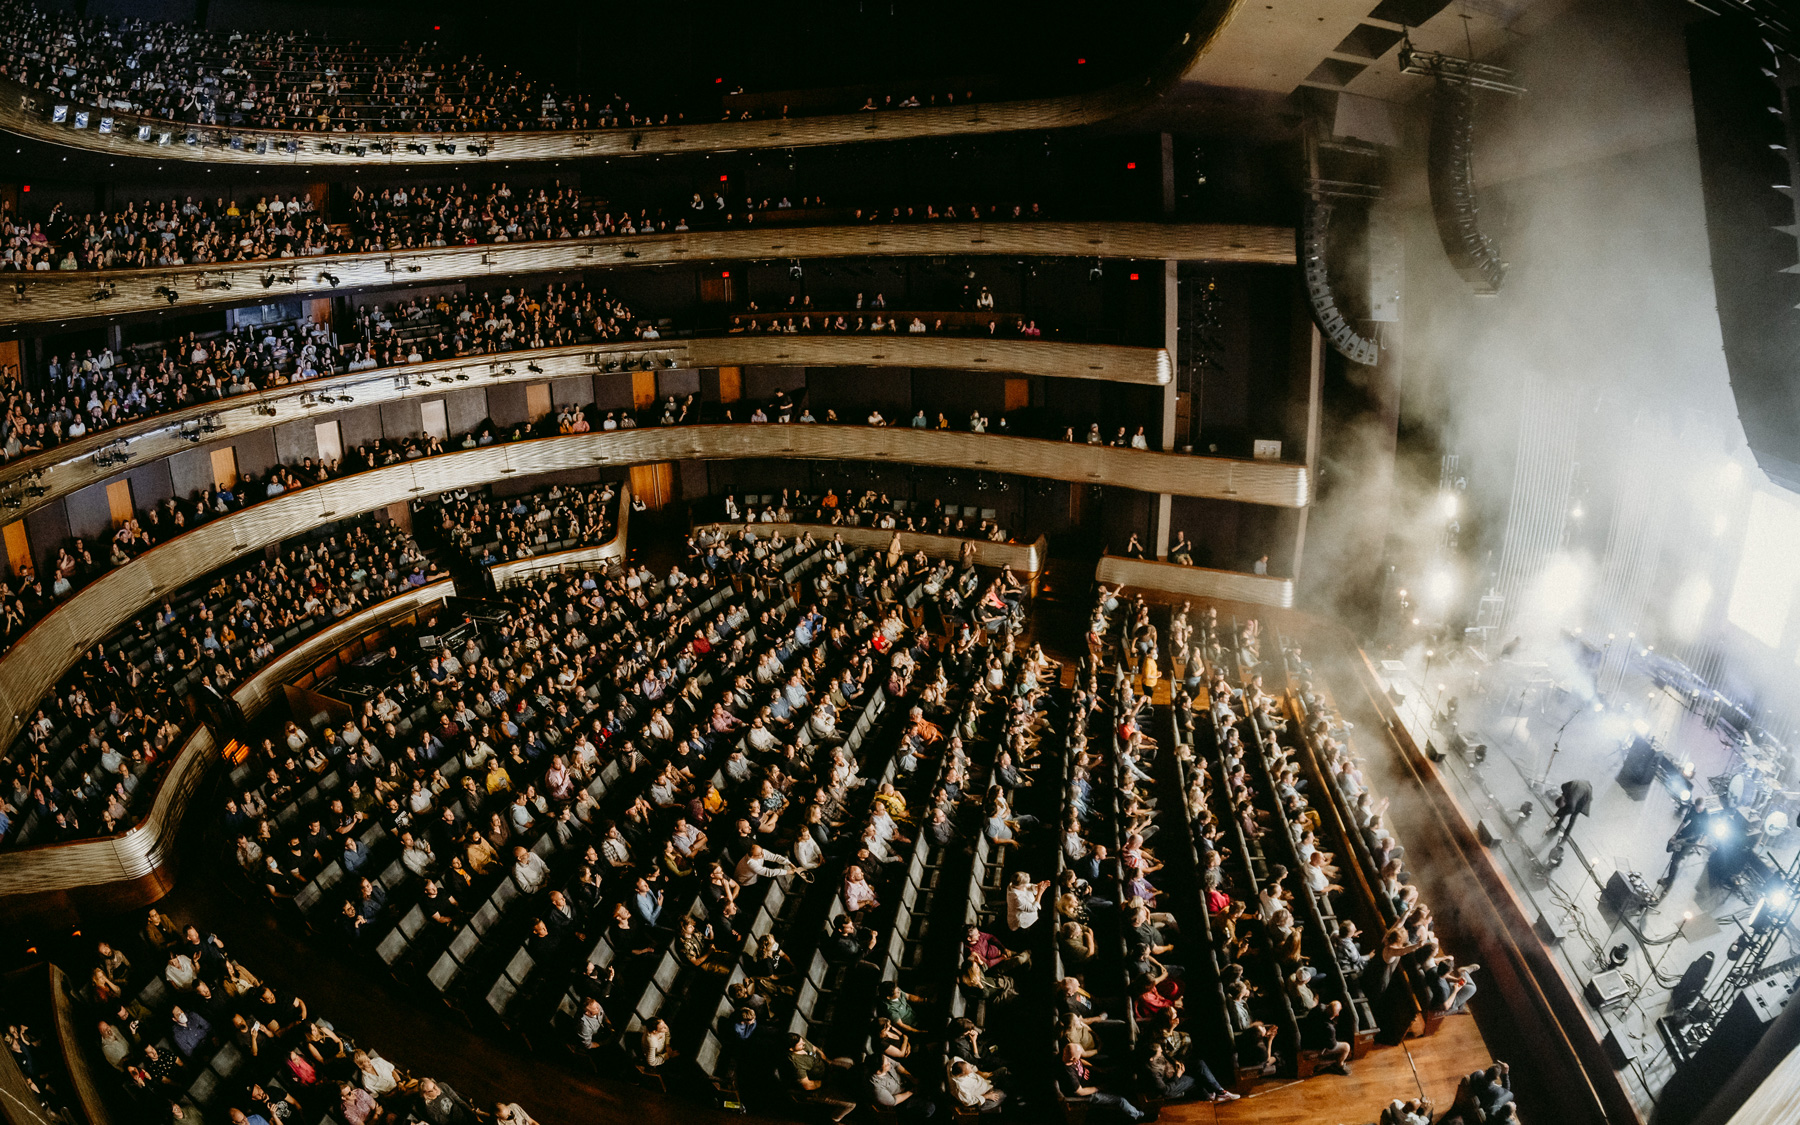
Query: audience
<point>88,759</point>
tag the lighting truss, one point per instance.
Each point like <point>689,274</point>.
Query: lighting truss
<point>1463,72</point>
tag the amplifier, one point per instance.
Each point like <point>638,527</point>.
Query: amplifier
<point>1606,989</point>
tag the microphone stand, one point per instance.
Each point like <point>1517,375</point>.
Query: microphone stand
<point>1556,746</point>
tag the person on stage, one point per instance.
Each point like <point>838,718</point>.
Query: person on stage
<point>1577,799</point>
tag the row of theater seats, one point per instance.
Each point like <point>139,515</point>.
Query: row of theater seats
<point>309,82</point>
<point>196,1035</point>
<point>868,509</point>
<point>181,232</point>
<point>491,529</point>
<point>640,978</point>
<point>1413,983</point>
<point>88,762</point>
<point>117,708</point>
<point>171,517</point>
<point>94,393</point>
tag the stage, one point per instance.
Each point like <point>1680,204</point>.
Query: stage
<point>1519,717</point>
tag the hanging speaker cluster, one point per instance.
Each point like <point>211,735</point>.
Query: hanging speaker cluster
<point>1450,170</point>
<point>1349,343</point>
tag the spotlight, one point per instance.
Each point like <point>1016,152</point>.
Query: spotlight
<point>462,376</point>
<point>192,138</point>
<point>1721,829</point>
<point>106,292</point>
<point>534,369</point>
<point>668,361</point>
<point>329,278</point>
<point>1097,272</point>
<point>237,144</point>
<point>262,148</point>
<point>795,272</point>
<point>414,269</point>
<point>422,382</point>
<point>167,294</point>
<point>222,283</point>
<point>419,148</point>
<point>164,138</point>
<point>345,398</point>
<point>448,148</point>
<point>19,297</point>
<point>508,371</point>
<point>143,133</point>
<point>266,410</point>
<point>268,279</point>
<point>292,147</point>
<point>106,124</point>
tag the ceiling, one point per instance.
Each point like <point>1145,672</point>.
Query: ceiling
<point>1278,46</point>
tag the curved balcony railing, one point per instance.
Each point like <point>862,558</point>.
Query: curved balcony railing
<point>29,113</point>
<point>61,295</point>
<point>1026,559</point>
<point>1196,581</point>
<point>30,482</point>
<point>33,664</point>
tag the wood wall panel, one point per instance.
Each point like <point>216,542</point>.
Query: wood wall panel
<point>60,296</point>
<point>1196,581</point>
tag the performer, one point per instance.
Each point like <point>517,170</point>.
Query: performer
<point>1577,799</point>
<point>1687,838</point>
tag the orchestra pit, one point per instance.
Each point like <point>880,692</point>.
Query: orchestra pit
<point>1208,561</point>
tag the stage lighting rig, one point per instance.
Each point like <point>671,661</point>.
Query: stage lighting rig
<point>1464,72</point>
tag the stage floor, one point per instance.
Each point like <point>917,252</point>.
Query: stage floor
<point>1627,832</point>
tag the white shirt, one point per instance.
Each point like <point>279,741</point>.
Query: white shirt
<point>1021,906</point>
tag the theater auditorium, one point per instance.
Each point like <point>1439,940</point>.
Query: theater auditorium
<point>1212,561</point>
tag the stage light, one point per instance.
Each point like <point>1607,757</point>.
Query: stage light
<point>1778,898</point>
<point>1440,586</point>
<point>1641,727</point>
<point>1447,504</point>
<point>1731,474</point>
<point>1415,621</point>
<point>1599,706</point>
<point>1721,830</point>
<point>1684,795</point>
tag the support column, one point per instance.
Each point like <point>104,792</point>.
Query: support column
<point>1314,402</point>
<point>1171,341</point>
